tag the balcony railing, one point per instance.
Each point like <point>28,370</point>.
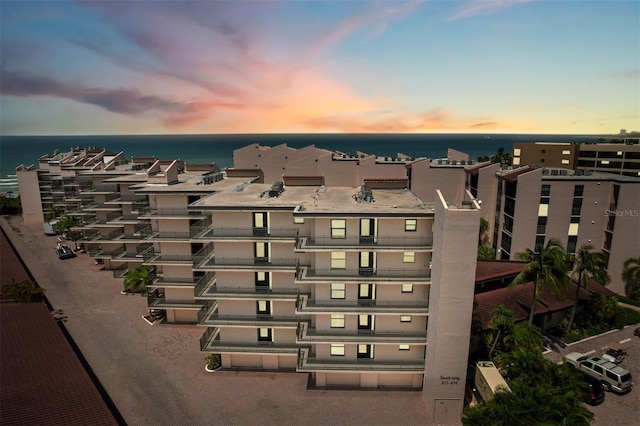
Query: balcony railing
<point>101,253</point>
<point>212,291</point>
<point>170,236</point>
<point>210,342</point>
<point>311,363</point>
<point>211,232</point>
<point>98,188</point>
<point>163,281</point>
<point>152,258</point>
<point>306,273</point>
<point>312,335</point>
<point>121,271</point>
<point>305,305</point>
<point>177,212</point>
<point>362,242</point>
<point>216,263</point>
<point>215,319</point>
<point>164,303</point>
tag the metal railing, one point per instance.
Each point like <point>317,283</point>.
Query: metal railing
<point>244,262</point>
<point>311,335</point>
<point>213,232</point>
<point>257,320</point>
<point>210,342</point>
<point>383,242</point>
<point>304,304</point>
<point>152,258</point>
<point>170,236</point>
<point>310,363</point>
<point>213,291</point>
<point>120,271</point>
<point>367,274</point>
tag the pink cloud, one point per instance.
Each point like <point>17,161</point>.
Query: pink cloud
<point>484,7</point>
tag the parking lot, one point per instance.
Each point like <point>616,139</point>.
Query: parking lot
<point>616,409</point>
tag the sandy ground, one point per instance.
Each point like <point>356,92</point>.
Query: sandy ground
<point>155,374</point>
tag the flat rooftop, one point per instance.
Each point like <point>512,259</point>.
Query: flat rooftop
<point>312,199</point>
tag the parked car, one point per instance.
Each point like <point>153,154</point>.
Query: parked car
<point>64,251</point>
<point>613,377</point>
<point>595,395</point>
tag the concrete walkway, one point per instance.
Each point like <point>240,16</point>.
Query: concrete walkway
<point>155,374</point>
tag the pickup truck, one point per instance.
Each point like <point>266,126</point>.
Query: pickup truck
<point>613,377</point>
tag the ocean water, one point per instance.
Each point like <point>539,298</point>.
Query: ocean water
<point>16,150</point>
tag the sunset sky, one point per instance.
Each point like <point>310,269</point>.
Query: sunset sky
<point>149,67</point>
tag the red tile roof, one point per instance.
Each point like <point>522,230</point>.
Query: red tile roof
<point>43,382</point>
<point>491,269</point>
<point>518,300</point>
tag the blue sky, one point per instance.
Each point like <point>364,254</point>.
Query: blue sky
<point>125,67</point>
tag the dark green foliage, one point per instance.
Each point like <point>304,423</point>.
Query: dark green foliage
<point>486,253</point>
<point>10,205</point>
<point>137,279</point>
<point>541,392</point>
<point>23,291</point>
<point>588,265</point>
<point>213,361</point>
<point>626,316</point>
<point>546,268</point>
<point>631,277</point>
<point>628,301</point>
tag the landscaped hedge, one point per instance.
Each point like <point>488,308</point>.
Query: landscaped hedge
<point>628,301</point>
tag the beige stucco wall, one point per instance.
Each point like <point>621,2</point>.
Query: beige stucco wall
<point>30,196</point>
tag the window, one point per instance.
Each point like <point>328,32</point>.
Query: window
<point>566,152</point>
<point>410,225</point>
<point>409,257</point>
<point>263,307</point>
<point>405,318</point>
<point>576,207</point>
<point>565,161</point>
<point>545,190</point>
<point>575,219</point>
<point>337,321</point>
<point>516,162</point>
<point>571,244</point>
<point>573,228</point>
<point>298,220</point>
<point>543,151</point>
<point>516,152</point>
<point>542,225</point>
<point>604,162</point>
<point>265,335</point>
<point>407,288</point>
<point>338,228</point>
<point>578,190</point>
<point>337,349</point>
<point>543,210</point>
<point>338,260</point>
<point>404,347</point>
<point>539,243</point>
<point>338,291</point>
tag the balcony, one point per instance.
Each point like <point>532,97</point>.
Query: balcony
<point>98,189</point>
<point>153,258</point>
<point>212,263</point>
<point>210,290</point>
<point>171,214</point>
<point>100,253</point>
<point>169,236</point>
<point>163,303</point>
<point>121,271</point>
<point>379,275</point>
<point>210,342</point>
<point>335,335</point>
<point>307,363</point>
<point>210,317</point>
<point>362,306</point>
<point>125,199</point>
<point>368,243</point>
<point>212,233</point>
<point>163,282</point>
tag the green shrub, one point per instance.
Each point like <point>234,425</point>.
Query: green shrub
<point>571,337</point>
<point>213,361</point>
<point>628,300</point>
<point>626,316</point>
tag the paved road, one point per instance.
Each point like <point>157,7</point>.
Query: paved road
<point>616,409</point>
<point>155,374</point>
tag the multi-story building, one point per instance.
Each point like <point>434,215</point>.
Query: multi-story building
<point>621,156</point>
<point>353,283</point>
<point>527,206</point>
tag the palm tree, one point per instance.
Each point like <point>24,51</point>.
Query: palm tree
<point>137,279</point>
<point>631,277</point>
<point>546,268</point>
<point>501,156</point>
<point>501,320</point>
<point>588,265</point>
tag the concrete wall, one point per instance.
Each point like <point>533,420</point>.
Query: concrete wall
<point>450,308</point>
<point>30,196</point>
